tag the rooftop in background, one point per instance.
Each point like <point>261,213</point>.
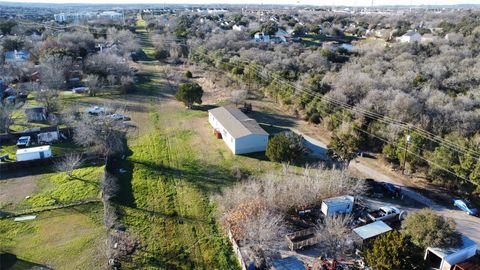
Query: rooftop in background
<point>372,230</point>
<point>236,122</point>
<point>16,56</point>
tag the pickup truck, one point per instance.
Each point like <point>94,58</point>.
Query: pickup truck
<point>384,213</point>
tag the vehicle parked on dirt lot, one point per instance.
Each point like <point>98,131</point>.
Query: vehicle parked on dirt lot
<point>80,90</point>
<point>95,110</point>
<point>465,206</point>
<point>24,141</point>
<point>119,117</point>
<point>384,213</point>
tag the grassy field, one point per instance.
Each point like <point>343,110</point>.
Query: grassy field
<point>72,238</point>
<point>69,238</point>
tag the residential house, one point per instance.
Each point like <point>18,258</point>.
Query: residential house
<point>241,134</point>
<point>261,37</point>
<point>411,36</point>
<point>16,56</point>
<point>239,28</point>
<point>446,258</point>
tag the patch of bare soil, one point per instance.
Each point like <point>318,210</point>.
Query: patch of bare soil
<point>13,191</point>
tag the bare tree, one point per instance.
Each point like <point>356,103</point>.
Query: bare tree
<point>127,83</point>
<point>94,84</point>
<point>6,117</point>
<point>53,69</point>
<point>49,98</point>
<point>239,96</point>
<point>101,133</point>
<point>69,163</point>
<point>334,232</point>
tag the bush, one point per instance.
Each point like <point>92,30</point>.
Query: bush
<point>427,229</point>
<point>161,54</point>
<point>286,147</point>
<point>188,74</point>
<point>393,251</point>
<point>314,118</point>
<point>189,93</point>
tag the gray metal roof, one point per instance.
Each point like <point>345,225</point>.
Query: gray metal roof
<point>339,200</point>
<point>372,229</point>
<point>443,253</point>
<point>236,122</point>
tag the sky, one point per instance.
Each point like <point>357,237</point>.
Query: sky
<point>280,2</point>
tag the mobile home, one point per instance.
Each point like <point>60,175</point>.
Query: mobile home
<point>34,153</point>
<point>241,134</point>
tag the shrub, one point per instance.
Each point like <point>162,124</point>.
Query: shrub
<point>286,147</point>
<point>161,54</point>
<point>189,93</point>
<point>188,74</point>
<point>393,251</point>
<point>427,229</point>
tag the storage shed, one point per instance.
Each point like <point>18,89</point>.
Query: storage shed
<point>446,258</point>
<point>338,205</point>
<point>34,153</point>
<point>372,230</point>
<point>241,134</point>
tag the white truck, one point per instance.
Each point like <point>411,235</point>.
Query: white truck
<point>34,153</point>
<point>384,213</point>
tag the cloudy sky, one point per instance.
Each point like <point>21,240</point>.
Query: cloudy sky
<point>283,2</point>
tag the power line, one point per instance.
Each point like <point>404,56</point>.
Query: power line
<point>366,113</point>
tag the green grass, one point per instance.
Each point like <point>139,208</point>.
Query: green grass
<point>54,189</point>
<point>173,216</point>
<point>59,188</point>
<point>71,238</point>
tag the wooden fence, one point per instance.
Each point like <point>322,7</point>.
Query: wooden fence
<point>237,251</point>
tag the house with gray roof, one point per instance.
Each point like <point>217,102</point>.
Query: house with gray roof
<point>241,133</point>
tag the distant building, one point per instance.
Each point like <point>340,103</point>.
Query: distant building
<point>411,37</point>
<point>239,28</point>
<point>36,114</point>
<point>79,16</point>
<point>261,37</point>
<point>16,56</point>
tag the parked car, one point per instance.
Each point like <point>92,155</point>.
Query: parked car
<point>392,189</point>
<point>24,141</point>
<point>465,206</point>
<point>384,213</point>
<point>95,110</point>
<point>119,117</point>
<point>80,90</point>
<point>374,188</point>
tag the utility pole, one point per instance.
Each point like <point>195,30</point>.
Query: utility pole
<point>406,150</point>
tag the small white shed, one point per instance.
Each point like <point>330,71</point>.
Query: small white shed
<point>34,153</point>
<point>411,36</point>
<point>446,258</point>
<point>338,205</point>
<point>241,134</point>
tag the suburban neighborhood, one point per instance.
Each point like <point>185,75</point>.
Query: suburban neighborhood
<point>139,135</point>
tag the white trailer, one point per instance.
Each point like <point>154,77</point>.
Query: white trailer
<point>338,205</point>
<point>34,153</point>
